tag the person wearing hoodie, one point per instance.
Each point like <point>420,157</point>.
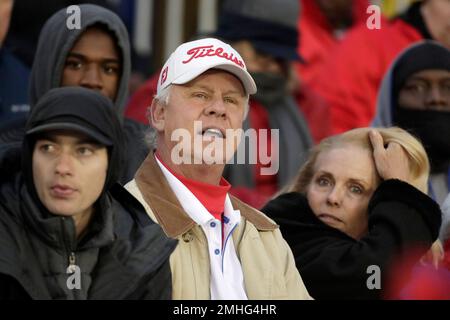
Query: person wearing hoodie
<point>356,210</point>
<point>415,95</point>
<point>95,56</point>
<point>63,234</point>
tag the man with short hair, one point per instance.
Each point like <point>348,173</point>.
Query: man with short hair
<point>67,229</point>
<point>226,250</point>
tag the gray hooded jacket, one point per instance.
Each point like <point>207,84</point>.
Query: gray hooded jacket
<point>384,118</point>
<point>55,42</point>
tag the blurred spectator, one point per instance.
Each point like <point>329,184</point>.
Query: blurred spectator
<point>323,24</point>
<point>350,78</point>
<point>13,75</point>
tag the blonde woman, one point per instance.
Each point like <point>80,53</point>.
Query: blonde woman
<point>358,203</point>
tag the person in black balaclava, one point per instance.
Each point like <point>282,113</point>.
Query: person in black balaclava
<point>415,95</point>
<point>67,229</point>
<point>422,100</point>
<point>265,34</point>
<point>95,56</point>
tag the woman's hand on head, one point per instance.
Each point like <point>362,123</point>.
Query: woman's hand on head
<point>391,160</point>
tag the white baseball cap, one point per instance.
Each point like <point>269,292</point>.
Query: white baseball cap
<point>193,58</point>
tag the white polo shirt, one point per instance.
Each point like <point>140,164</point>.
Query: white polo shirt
<point>227,279</point>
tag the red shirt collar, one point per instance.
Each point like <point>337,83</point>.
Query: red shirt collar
<point>212,197</point>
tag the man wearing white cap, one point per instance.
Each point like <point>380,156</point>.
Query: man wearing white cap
<point>226,249</point>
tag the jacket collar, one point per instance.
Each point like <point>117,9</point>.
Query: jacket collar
<point>168,210</point>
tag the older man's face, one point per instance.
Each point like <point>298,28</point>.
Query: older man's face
<point>5,17</point>
<point>216,100</point>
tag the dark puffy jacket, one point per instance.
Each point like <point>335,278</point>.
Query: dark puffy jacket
<point>123,255</point>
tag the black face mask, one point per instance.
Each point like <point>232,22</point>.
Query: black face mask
<point>433,129</point>
<point>272,88</point>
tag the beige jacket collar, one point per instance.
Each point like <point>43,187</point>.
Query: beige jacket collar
<point>168,210</point>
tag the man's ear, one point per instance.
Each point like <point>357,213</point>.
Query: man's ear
<point>156,115</point>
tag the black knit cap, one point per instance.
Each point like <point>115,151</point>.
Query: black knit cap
<point>425,56</point>
<point>73,108</point>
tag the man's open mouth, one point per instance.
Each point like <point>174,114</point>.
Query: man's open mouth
<point>213,132</point>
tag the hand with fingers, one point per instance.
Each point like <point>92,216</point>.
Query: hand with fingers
<point>391,161</point>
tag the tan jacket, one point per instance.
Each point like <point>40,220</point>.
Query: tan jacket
<point>267,261</point>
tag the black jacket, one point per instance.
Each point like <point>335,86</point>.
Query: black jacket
<point>123,255</point>
<point>334,265</point>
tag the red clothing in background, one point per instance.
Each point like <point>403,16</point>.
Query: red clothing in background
<point>317,39</point>
<point>350,78</point>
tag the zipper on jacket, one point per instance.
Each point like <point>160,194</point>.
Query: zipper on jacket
<point>70,248</point>
<point>72,265</point>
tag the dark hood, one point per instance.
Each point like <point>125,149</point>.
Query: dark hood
<point>56,40</point>
<point>386,101</point>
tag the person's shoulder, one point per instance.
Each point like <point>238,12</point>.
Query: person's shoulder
<point>133,222</point>
<point>127,205</point>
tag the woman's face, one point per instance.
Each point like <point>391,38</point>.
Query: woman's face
<point>343,182</point>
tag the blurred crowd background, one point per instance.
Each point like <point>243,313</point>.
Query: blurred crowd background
<point>156,27</point>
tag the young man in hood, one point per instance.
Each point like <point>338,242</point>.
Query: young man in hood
<point>95,56</point>
<point>227,249</point>
<point>63,234</point>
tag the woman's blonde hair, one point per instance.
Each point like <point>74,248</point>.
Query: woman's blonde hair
<point>418,160</point>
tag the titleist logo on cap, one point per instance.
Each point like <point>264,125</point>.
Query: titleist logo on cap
<point>209,51</point>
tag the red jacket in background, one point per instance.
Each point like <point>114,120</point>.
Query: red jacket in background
<point>350,78</point>
<point>316,37</point>
<point>141,100</point>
